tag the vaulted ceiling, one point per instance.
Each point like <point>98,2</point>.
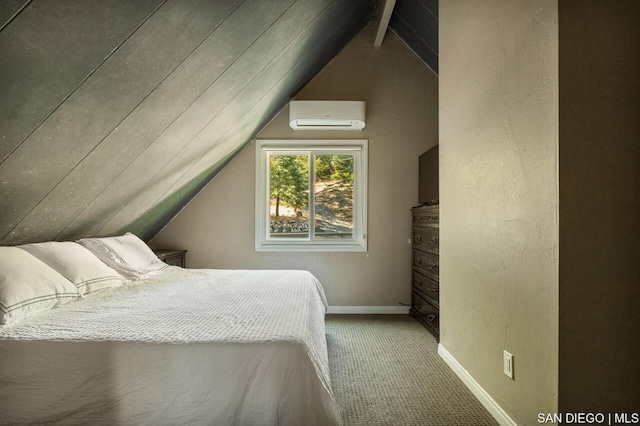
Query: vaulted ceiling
<point>416,22</point>
<point>114,114</point>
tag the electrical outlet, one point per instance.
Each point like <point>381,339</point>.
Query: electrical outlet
<point>507,364</point>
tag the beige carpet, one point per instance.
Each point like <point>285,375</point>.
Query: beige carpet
<point>385,370</point>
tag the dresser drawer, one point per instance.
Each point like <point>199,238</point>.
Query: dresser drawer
<point>425,286</point>
<point>426,263</point>
<point>425,216</point>
<point>426,239</point>
<point>428,313</point>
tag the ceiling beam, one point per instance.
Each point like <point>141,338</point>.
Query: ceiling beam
<point>383,21</point>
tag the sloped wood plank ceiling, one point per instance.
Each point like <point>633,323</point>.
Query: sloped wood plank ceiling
<point>416,22</point>
<point>114,114</point>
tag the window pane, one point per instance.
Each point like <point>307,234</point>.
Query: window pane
<point>289,196</point>
<point>333,196</point>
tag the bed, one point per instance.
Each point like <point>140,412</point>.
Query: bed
<point>220,347</point>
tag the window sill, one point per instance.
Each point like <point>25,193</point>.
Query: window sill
<point>306,247</point>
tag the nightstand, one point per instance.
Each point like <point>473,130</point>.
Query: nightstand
<point>172,256</point>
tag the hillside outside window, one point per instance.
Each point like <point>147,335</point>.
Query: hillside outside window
<point>311,195</point>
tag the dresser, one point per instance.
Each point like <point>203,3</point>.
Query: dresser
<point>171,256</point>
<point>425,287</point>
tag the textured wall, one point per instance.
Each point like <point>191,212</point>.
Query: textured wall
<point>217,227</point>
<point>499,197</point>
<point>599,206</point>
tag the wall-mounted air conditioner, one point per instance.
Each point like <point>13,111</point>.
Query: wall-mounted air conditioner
<point>326,115</point>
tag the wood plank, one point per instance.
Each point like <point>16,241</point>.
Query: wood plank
<point>98,107</point>
<point>9,9</point>
<point>145,168</point>
<point>422,49</point>
<point>40,64</point>
<point>309,42</point>
<point>383,22</point>
<point>420,19</point>
<point>218,21</point>
<point>46,52</point>
<point>432,6</point>
<point>264,96</point>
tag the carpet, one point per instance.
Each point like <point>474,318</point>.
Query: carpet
<point>385,370</point>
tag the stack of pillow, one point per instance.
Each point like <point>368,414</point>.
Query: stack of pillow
<point>38,277</point>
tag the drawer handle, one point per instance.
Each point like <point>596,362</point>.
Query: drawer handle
<point>431,317</point>
<point>431,266</point>
<point>418,238</point>
<point>433,289</point>
<point>419,261</point>
<point>433,241</point>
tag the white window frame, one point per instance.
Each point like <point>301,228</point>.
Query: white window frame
<point>357,147</point>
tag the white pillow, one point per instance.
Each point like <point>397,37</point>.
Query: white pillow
<point>28,286</point>
<point>127,254</point>
<point>77,264</point>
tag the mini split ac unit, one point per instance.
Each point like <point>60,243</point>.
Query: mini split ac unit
<point>326,115</point>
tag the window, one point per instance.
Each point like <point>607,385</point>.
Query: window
<point>311,195</point>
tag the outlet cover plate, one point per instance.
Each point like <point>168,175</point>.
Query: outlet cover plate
<point>507,364</point>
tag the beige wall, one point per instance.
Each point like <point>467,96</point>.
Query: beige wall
<point>499,197</point>
<point>599,206</point>
<point>217,226</point>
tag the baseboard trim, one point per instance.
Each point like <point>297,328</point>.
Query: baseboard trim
<point>368,310</point>
<point>485,399</point>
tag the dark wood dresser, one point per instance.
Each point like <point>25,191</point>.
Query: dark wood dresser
<point>425,287</point>
<point>172,256</point>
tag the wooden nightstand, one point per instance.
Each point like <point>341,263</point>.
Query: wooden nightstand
<point>172,256</point>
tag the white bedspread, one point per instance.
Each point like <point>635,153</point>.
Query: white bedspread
<point>187,347</point>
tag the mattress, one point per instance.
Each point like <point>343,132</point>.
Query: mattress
<point>220,347</point>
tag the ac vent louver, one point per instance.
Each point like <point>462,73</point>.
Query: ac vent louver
<point>327,115</point>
